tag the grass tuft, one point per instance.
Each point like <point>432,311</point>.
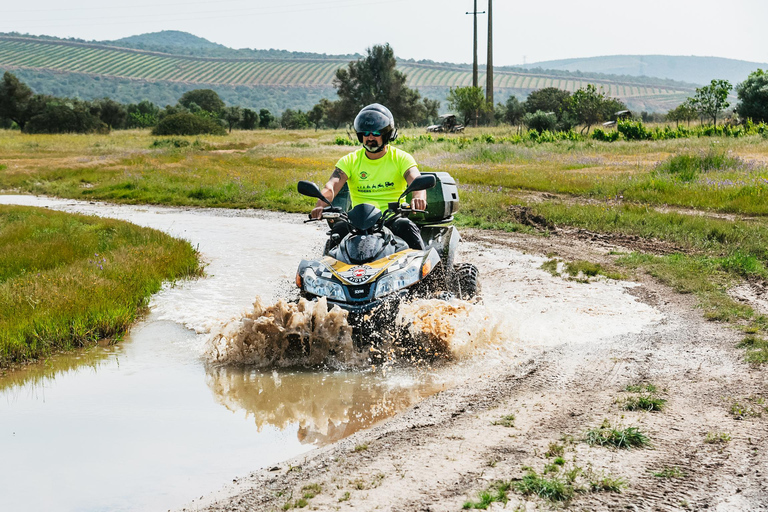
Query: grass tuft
<point>605,435</point>
<point>505,421</point>
<point>497,492</point>
<point>644,403</point>
<point>673,472</point>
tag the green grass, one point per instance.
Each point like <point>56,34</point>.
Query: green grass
<point>717,438</point>
<point>673,472</point>
<point>553,488</point>
<point>641,388</point>
<point>497,492</point>
<point>361,447</point>
<point>648,403</point>
<point>757,349</point>
<point>505,421</point>
<point>606,435</point>
<point>68,280</point>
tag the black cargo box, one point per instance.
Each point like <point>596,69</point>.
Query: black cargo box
<point>442,200</point>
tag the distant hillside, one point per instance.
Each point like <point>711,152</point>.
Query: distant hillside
<point>695,70</point>
<point>171,62</point>
<point>184,43</point>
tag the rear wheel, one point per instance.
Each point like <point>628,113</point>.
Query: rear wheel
<point>466,280</point>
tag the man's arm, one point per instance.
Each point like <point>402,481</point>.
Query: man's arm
<point>419,198</point>
<point>329,191</point>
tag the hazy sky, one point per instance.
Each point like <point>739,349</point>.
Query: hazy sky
<point>524,31</point>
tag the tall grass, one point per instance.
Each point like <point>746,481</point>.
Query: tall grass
<point>69,280</point>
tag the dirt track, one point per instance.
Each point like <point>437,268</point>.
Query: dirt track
<point>442,452</point>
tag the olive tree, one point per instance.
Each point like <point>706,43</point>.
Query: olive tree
<point>753,97</point>
<point>712,99</point>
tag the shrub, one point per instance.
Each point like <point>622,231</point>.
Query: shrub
<point>602,135</point>
<point>184,123</point>
<point>634,130</point>
<point>541,121</point>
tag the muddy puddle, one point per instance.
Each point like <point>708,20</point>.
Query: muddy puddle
<point>182,405</point>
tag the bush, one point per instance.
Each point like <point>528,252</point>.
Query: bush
<point>169,143</point>
<point>58,117</point>
<point>541,121</point>
<point>184,123</point>
<point>634,130</point>
<point>602,135</point>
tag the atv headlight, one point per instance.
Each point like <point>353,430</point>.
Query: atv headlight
<point>399,279</point>
<point>322,287</point>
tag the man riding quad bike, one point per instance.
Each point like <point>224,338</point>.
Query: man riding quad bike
<point>384,250</point>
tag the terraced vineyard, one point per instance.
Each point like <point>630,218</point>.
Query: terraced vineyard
<point>101,60</point>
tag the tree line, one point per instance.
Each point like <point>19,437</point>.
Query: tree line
<point>371,79</point>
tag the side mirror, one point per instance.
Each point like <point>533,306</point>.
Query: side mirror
<point>307,188</point>
<point>423,182</point>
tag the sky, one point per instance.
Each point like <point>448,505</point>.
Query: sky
<point>438,30</point>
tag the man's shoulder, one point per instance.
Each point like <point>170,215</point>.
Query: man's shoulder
<point>400,155</point>
<point>351,157</point>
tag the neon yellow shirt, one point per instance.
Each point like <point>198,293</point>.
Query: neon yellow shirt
<point>377,182</point>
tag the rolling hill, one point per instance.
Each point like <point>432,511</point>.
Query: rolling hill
<point>149,66</point>
<point>697,70</point>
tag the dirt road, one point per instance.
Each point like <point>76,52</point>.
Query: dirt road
<point>707,447</point>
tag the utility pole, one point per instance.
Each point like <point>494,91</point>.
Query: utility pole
<point>474,62</point>
<point>489,73</point>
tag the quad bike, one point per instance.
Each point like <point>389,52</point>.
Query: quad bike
<point>370,271</point>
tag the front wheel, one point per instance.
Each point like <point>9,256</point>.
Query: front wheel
<point>466,281</point>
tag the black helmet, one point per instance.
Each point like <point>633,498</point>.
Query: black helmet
<point>376,118</point>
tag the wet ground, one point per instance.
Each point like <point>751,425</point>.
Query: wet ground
<point>152,422</point>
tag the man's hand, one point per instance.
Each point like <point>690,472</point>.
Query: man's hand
<point>419,200</point>
<point>317,211</point>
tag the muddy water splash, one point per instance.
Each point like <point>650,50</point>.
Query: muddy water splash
<point>456,329</point>
<point>283,334</point>
<point>307,333</point>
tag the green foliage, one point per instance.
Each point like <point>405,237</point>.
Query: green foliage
<point>144,114</point>
<point>540,121</point>
<point>497,492</point>
<point>712,99</point>
<point>633,130</point>
<point>344,141</point>
<point>513,111</point>
<point>169,143</point>
<point>468,101</point>
<point>606,435</point>
<point>757,349</point>
<point>688,167</point>
<point>753,97</point>
<point>605,136</point>
<point>644,403</point>
<point>686,111</point>
<point>553,488</point>
<point>266,119</point>
<point>206,99</point>
<point>717,438</point>
<point>590,106</point>
<point>15,98</point>
<point>548,99</point>
<point>232,116</point>
<point>112,113</point>
<point>65,116</point>
<point>184,123</point>
<point>506,421</point>
<point>673,472</point>
<point>374,79</point>
<point>294,120</point>
<point>249,120</point>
